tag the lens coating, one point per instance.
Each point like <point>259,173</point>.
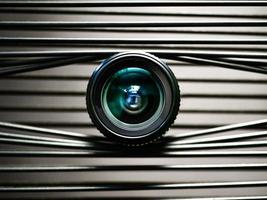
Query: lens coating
<point>132,98</point>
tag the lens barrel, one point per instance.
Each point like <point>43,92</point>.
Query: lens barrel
<point>133,98</point>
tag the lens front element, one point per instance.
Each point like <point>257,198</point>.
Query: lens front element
<point>132,98</point>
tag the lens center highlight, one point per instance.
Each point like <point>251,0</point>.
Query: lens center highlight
<point>133,98</point>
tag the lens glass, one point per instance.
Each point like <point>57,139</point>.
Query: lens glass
<point>132,98</point>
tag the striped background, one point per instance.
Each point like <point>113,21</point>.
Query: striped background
<point>211,96</point>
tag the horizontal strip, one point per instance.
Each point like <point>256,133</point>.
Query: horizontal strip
<point>134,24</point>
<point>86,78</point>
<point>43,65</point>
<point>187,88</point>
<point>75,118</point>
<point>151,198</point>
<point>160,53</point>
<point>57,41</point>
<point>33,129</point>
<point>126,13</point>
<point>201,73</point>
<point>83,109</point>
<point>68,125</point>
<point>80,93</point>
<point>224,128</point>
<point>155,149</point>
<point>134,3</point>
<point>220,145</point>
<point>39,138</point>
<point>171,30</point>
<point>46,143</point>
<point>93,168</point>
<point>124,186</point>
<point>223,138</point>
<point>108,154</point>
<point>226,64</point>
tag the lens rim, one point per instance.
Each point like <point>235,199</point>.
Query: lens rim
<point>154,65</point>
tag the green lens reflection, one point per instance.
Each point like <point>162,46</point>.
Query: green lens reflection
<point>132,96</point>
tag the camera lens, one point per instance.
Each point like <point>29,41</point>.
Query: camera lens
<point>133,98</point>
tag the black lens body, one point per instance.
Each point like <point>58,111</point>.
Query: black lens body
<point>133,98</point>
